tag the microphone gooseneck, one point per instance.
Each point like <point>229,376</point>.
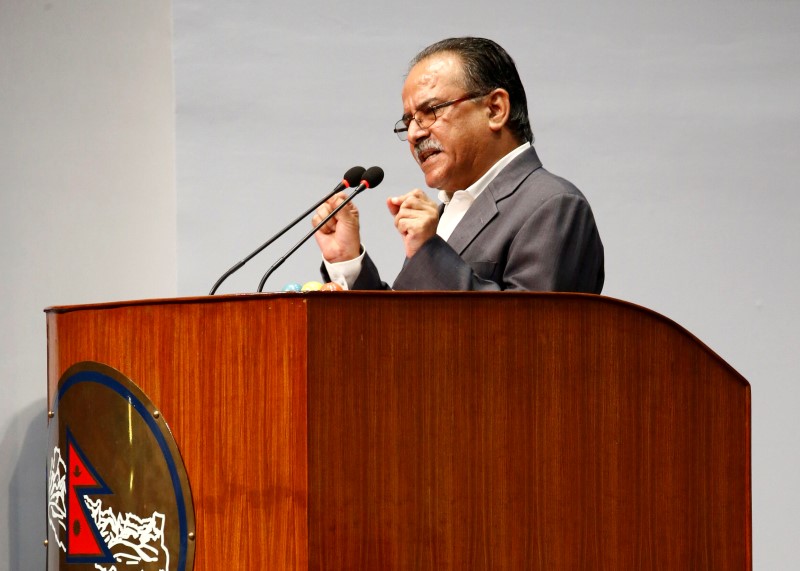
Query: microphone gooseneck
<point>351,178</point>
<point>371,178</point>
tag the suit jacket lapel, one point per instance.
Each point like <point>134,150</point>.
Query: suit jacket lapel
<point>484,209</point>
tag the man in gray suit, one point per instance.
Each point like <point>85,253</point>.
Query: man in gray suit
<point>506,223</point>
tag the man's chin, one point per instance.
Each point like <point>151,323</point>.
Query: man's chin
<point>433,178</point>
<point>432,183</point>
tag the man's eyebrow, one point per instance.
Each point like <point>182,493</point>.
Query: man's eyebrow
<point>424,105</point>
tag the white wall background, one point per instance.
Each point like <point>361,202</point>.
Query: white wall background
<point>679,121</point>
<point>87,205</point>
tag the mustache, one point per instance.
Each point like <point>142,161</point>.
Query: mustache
<point>426,145</point>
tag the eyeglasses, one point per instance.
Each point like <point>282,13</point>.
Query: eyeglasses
<point>426,116</point>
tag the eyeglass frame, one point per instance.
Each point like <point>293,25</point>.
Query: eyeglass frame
<point>401,127</point>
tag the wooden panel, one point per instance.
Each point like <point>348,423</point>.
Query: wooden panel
<point>229,378</point>
<point>442,431</point>
<point>521,432</point>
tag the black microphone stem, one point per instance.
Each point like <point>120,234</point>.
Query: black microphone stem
<point>258,250</point>
<point>277,264</point>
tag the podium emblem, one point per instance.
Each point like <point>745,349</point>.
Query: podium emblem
<point>118,493</point>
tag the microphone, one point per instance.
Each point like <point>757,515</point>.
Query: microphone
<point>354,176</point>
<point>371,178</point>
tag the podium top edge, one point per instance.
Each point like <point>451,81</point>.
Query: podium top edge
<point>305,297</point>
<point>318,295</point>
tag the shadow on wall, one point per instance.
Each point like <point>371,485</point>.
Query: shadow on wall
<point>27,488</point>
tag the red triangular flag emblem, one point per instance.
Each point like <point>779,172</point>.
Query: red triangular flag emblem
<point>82,536</point>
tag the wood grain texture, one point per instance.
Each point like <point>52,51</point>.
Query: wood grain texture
<point>229,378</point>
<point>404,431</point>
<point>522,432</point>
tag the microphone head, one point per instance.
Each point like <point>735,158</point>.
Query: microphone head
<point>372,177</point>
<point>353,176</point>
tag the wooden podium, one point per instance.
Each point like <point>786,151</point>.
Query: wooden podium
<point>397,431</point>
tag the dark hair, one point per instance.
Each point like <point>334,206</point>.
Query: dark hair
<point>487,66</point>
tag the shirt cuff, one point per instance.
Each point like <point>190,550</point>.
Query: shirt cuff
<point>345,273</point>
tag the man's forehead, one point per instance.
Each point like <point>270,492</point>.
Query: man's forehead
<point>431,75</point>
<point>441,67</point>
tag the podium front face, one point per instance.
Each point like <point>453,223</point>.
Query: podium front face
<point>393,430</point>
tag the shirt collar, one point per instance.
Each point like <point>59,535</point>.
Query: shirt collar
<point>480,185</point>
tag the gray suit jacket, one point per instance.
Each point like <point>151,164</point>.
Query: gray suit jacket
<point>528,230</point>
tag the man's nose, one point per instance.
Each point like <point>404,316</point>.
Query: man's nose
<point>416,133</point>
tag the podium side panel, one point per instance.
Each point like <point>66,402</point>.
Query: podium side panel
<point>229,377</point>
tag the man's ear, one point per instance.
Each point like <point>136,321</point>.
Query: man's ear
<point>498,107</point>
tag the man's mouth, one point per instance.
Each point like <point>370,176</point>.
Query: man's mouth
<point>425,155</point>
<point>426,150</point>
